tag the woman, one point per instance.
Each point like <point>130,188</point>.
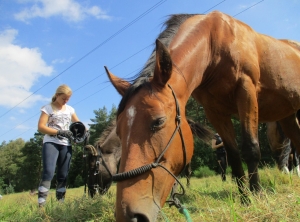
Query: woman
<point>218,147</point>
<point>54,122</point>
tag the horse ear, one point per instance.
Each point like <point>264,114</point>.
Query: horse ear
<point>120,85</point>
<point>163,65</point>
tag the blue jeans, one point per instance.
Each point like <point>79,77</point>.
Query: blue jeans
<point>54,155</point>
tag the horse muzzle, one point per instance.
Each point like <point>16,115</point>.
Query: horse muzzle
<point>143,210</point>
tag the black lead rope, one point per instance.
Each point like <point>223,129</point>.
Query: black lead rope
<point>86,141</point>
<point>145,168</point>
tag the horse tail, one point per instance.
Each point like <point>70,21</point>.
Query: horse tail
<point>285,154</point>
<point>92,149</point>
<point>202,132</point>
<point>286,149</point>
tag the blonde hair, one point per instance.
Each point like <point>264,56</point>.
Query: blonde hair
<point>62,89</point>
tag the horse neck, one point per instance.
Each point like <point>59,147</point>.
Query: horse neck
<point>110,141</point>
<point>188,74</point>
<point>194,55</point>
<point>186,78</point>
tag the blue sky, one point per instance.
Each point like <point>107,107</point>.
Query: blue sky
<point>45,43</point>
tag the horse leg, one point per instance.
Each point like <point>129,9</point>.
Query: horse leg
<point>91,192</point>
<point>248,113</point>
<point>224,126</point>
<point>291,129</point>
<point>188,173</point>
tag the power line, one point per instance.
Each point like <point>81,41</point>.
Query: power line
<point>136,53</point>
<point>90,52</point>
<point>214,6</point>
<point>132,22</point>
<point>114,67</point>
<point>248,8</point>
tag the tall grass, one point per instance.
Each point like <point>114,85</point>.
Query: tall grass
<point>207,199</point>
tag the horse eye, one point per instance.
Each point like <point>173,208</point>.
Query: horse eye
<point>158,123</point>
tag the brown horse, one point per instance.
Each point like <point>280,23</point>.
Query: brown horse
<point>230,70</point>
<point>103,158</point>
<point>285,152</point>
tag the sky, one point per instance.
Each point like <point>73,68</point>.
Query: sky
<point>46,43</point>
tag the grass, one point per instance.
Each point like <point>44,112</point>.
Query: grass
<point>207,199</point>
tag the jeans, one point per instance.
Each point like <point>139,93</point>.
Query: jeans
<point>222,161</point>
<point>54,155</point>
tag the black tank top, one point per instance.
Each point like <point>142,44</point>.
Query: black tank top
<point>218,141</point>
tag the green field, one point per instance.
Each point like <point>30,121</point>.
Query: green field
<point>208,199</point>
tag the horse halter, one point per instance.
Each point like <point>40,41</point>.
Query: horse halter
<point>100,161</point>
<point>145,168</point>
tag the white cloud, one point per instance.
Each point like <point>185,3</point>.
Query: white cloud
<point>68,9</point>
<point>19,69</point>
<point>60,61</point>
<point>12,118</point>
<point>23,127</point>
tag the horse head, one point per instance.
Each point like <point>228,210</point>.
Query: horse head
<point>103,160</point>
<point>156,140</point>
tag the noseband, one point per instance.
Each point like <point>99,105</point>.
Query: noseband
<point>145,168</point>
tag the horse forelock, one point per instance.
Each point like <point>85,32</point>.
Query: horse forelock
<point>171,27</point>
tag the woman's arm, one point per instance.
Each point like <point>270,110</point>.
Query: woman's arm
<point>213,144</point>
<point>42,125</point>
<point>75,118</point>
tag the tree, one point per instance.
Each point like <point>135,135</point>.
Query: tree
<point>203,154</point>
<point>77,167</point>
<point>101,122</point>
<point>10,161</point>
<point>29,173</point>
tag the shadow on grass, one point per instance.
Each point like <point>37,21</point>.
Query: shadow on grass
<point>220,195</point>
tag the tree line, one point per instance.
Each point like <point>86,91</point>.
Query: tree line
<point>21,161</point>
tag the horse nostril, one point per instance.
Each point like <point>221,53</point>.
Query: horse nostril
<point>140,218</point>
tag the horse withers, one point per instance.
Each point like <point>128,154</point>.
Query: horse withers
<point>230,70</point>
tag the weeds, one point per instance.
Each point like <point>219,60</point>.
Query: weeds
<point>207,199</point>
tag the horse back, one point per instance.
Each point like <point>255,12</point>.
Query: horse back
<point>226,52</point>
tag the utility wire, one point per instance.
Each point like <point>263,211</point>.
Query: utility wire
<point>248,8</point>
<point>72,105</point>
<point>113,66</point>
<point>213,6</point>
<point>90,52</point>
<point>78,89</point>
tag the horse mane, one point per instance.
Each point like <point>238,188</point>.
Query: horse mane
<point>142,78</point>
<point>105,133</point>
